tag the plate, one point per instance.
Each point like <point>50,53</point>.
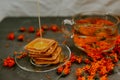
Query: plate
<point>27,64</point>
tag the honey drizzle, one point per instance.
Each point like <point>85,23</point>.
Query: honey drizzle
<point>39,21</point>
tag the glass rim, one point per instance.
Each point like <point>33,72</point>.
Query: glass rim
<point>99,13</point>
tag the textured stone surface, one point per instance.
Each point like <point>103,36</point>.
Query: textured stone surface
<point>13,24</point>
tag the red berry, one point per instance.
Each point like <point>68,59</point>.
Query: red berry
<point>54,27</point>
<point>60,69</point>
<point>22,29</point>
<point>4,63</point>
<point>9,62</point>
<point>38,33</point>
<point>11,36</point>
<point>20,37</point>
<point>31,29</point>
<point>44,27</point>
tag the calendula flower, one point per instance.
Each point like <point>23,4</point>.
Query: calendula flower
<point>104,77</point>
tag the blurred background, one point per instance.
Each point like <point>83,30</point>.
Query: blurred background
<point>56,7</point>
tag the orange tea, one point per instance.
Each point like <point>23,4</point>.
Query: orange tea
<point>94,34</point>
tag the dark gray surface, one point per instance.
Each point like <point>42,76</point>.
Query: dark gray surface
<point>15,73</point>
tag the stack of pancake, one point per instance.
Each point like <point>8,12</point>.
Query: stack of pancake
<point>44,51</point>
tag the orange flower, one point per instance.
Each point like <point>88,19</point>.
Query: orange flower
<point>66,71</point>
<point>104,22</point>
<point>72,58</point>
<point>68,64</point>
<point>94,67</point>
<point>87,61</point>
<point>86,67</point>
<point>81,78</point>
<point>114,56</point>
<point>90,77</point>
<point>118,40</point>
<point>102,34</point>
<point>87,30</point>
<point>104,77</point>
<point>109,66</point>
<point>95,55</point>
<point>101,63</point>
<point>79,59</point>
<point>79,71</point>
<point>103,70</point>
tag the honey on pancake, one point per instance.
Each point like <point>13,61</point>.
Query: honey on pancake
<point>40,45</point>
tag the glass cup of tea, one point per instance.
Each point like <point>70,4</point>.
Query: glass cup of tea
<point>92,31</point>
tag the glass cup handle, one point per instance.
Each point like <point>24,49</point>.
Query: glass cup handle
<point>68,21</point>
<point>64,27</point>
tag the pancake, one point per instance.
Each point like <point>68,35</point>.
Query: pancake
<point>39,45</point>
<point>44,51</point>
<point>53,56</point>
<point>48,52</point>
<point>40,62</point>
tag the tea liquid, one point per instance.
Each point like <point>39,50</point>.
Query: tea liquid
<point>95,37</point>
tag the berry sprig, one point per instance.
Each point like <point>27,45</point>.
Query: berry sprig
<point>8,62</point>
